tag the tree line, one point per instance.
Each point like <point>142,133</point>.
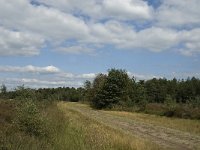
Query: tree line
<point>49,94</point>
<point>116,89</point>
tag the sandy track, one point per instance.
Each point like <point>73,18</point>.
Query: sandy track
<point>166,137</point>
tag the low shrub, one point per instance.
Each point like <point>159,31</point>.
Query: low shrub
<point>30,120</point>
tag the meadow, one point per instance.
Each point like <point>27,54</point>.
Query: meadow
<point>63,125</point>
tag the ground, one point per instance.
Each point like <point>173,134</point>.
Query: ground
<point>168,133</point>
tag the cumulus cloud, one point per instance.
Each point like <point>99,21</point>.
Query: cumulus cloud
<point>127,9</point>
<point>98,22</point>
<point>156,39</point>
<point>179,13</point>
<point>104,9</point>
<point>34,26</point>
<point>19,43</point>
<point>190,41</point>
<point>49,22</point>
<point>30,69</point>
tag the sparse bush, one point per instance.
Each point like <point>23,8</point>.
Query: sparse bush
<point>30,120</point>
<point>170,105</point>
<point>194,103</point>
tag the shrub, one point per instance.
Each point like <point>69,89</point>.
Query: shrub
<point>30,120</point>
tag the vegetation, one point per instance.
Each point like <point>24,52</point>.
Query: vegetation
<point>31,119</point>
<point>97,136</point>
<point>45,94</point>
<point>179,98</point>
<point>35,119</point>
<point>158,129</point>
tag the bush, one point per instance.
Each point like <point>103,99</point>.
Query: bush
<point>30,120</point>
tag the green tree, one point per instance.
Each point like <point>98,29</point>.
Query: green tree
<point>88,91</point>
<point>141,96</point>
<point>114,89</point>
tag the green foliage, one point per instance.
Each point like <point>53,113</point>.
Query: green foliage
<point>30,120</point>
<point>117,90</point>
<point>170,103</point>
<point>110,90</point>
<point>141,97</point>
<point>194,103</point>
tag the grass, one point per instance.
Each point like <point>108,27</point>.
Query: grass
<point>11,137</point>
<point>67,129</point>
<point>187,125</point>
<point>99,137</point>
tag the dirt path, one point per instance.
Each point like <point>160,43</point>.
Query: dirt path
<point>166,137</point>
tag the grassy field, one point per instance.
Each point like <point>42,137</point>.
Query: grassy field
<point>186,125</point>
<point>67,130</point>
<point>167,132</point>
<point>99,136</point>
<point>76,126</point>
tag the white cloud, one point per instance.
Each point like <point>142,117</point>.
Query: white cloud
<point>87,76</point>
<point>49,22</point>
<point>190,41</point>
<point>35,26</point>
<point>72,76</point>
<point>103,9</point>
<point>156,39</point>
<point>178,13</point>
<point>19,43</point>
<point>127,9</point>
<point>92,8</point>
<point>124,36</point>
<point>26,32</point>
<point>30,69</point>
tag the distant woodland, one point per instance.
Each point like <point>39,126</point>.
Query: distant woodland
<point>116,90</point>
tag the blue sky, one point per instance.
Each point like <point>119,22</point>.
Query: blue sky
<point>65,42</point>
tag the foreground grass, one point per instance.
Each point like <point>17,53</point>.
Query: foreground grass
<point>96,136</point>
<point>67,130</point>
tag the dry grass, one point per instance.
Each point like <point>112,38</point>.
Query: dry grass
<point>98,136</point>
<point>187,125</point>
<point>72,130</point>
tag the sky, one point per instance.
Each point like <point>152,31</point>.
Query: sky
<point>52,43</point>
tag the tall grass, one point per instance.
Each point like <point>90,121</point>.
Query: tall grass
<point>65,130</point>
<point>96,136</point>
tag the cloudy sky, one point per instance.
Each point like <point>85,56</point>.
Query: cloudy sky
<point>50,43</point>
